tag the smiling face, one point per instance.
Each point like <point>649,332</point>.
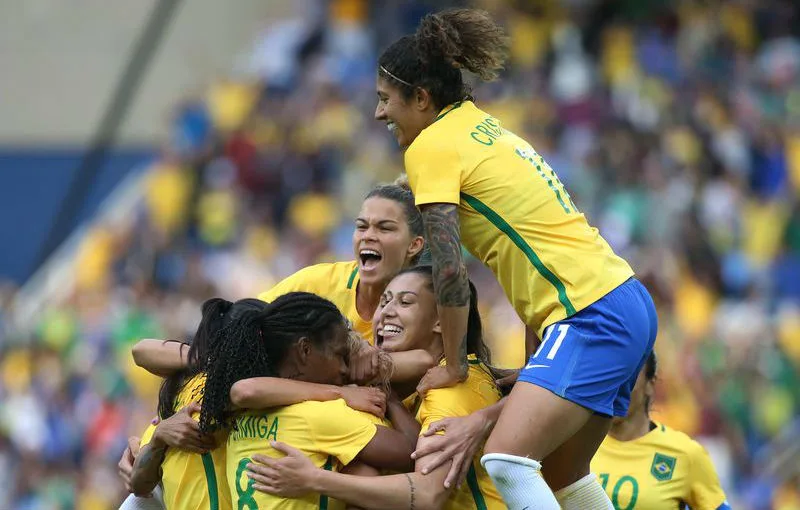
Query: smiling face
<point>382,241</point>
<point>406,317</point>
<point>404,118</point>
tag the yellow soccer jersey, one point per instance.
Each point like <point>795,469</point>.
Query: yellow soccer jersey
<point>329,433</point>
<point>336,282</point>
<point>147,435</point>
<point>516,217</point>
<point>191,481</point>
<point>664,469</point>
<point>474,394</point>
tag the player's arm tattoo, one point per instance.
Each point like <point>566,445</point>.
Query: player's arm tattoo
<point>444,240</point>
<point>411,491</point>
<point>147,468</point>
<point>450,279</point>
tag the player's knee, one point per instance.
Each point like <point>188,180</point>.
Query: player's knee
<point>496,443</point>
<point>519,480</point>
<point>560,475</point>
<point>501,465</point>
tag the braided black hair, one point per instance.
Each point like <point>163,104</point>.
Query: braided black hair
<point>255,343</point>
<point>214,312</point>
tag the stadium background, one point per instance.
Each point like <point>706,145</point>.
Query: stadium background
<point>249,144</point>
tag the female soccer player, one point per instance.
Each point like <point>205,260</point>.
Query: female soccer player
<point>387,237</point>
<point>405,320</point>
<point>644,464</point>
<point>298,336</point>
<point>193,476</point>
<point>479,184</point>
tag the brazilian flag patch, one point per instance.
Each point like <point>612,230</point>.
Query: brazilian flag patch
<point>663,466</point>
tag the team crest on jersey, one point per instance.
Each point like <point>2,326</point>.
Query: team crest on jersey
<point>663,466</point>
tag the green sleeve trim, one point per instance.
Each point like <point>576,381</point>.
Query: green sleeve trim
<point>502,225</point>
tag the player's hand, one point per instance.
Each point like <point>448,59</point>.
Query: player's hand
<point>439,377</point>
<point>362,398</point>
<point>181,431</point>
<point>461,440</point>
<point>291,476</point>
<point>125,465</point>
<point>507,377</point>
<point>364,364</point>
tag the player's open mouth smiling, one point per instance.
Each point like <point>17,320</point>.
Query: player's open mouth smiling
<point>387,331</point>
<point>369,258</point>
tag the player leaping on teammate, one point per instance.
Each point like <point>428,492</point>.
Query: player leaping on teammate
<point>479,184</point>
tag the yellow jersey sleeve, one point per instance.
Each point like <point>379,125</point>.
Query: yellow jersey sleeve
<point>441,166</point>
<point>706,492</point>
<point>443,403</point>
<point>293,283</point>
<point>339,430</point>
<point>474,394</point>
<point>147,435</point>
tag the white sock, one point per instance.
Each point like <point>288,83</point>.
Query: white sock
<point>519,480</point>
<point>585,493</point>
<point>154,502</point>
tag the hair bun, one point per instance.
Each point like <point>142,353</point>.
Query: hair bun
<point>464,39</point>
<point>402,182</point>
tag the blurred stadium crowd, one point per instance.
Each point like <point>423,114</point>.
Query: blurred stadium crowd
<point>675,125</point>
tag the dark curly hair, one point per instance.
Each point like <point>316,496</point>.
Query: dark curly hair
<point>255,343</point>
<point>216,312</point>
<point>444,44</point>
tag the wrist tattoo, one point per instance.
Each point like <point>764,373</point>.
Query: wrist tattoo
<point>462,358</point>
<point>411,490</point>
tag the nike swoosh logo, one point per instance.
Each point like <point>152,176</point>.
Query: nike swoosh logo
<point>537,366</point>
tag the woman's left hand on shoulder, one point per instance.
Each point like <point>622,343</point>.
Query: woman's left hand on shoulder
<point>462,438</point>
<point>289,477</point>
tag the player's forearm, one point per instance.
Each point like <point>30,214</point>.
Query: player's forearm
<point>147,468</point>
<point>411,365</point>
<point>403,421</point>
<point>160,357</point>
<point>394,492</point>
<point>265,392</point>
<point>454,337</point>
<point>450,281</point>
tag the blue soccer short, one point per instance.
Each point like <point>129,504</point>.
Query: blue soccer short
<point>594,357</point>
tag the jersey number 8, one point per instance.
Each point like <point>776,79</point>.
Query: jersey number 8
<point>245,500</point>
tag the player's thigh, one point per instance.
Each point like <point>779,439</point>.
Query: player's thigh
<point>571,461</point>
<point>577,371</point>
<point>535,422</point>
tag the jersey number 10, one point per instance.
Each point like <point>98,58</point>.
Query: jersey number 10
<point>549,175</point>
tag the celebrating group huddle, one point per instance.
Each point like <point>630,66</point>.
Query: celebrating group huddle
<point>369,383</point>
